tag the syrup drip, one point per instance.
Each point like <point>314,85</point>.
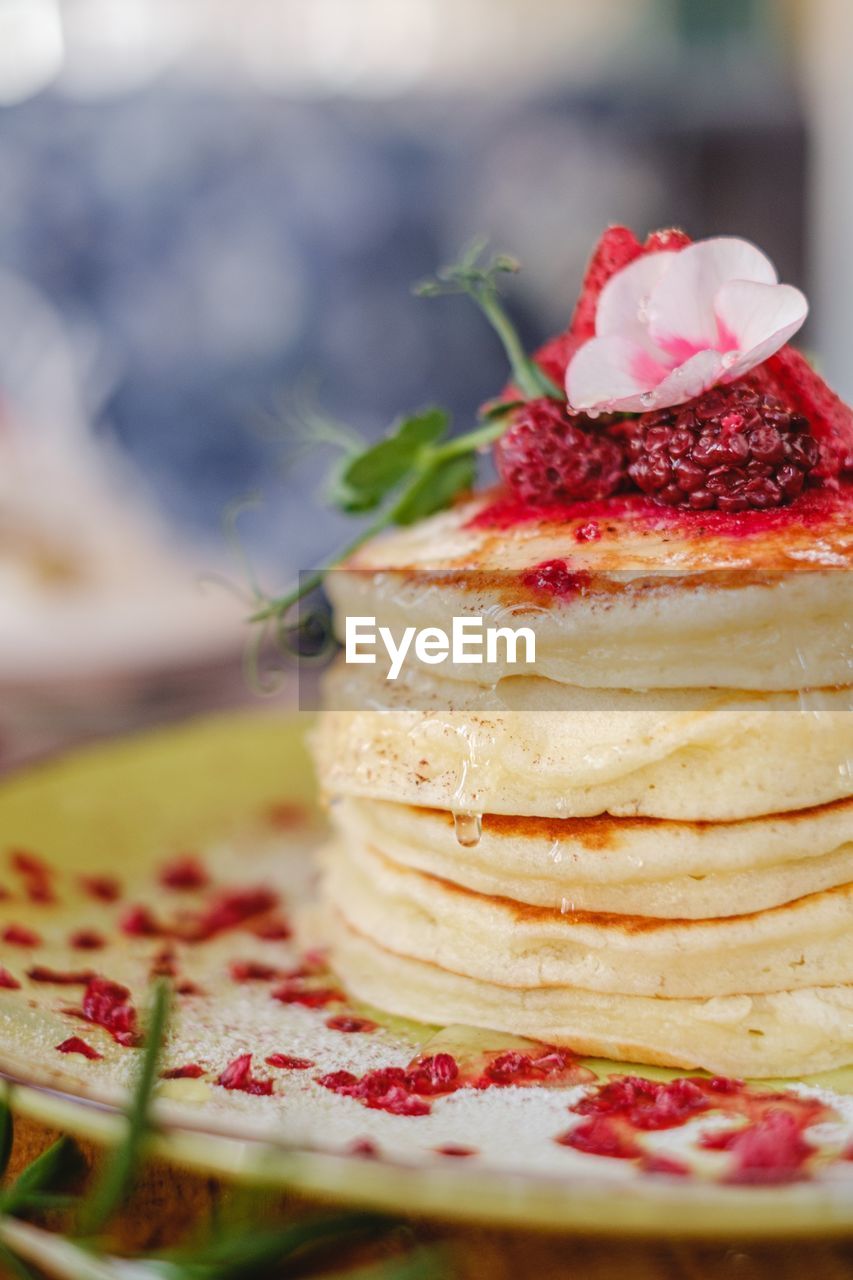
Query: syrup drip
<point>468,828</point>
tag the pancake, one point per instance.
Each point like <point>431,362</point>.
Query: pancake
<point>803,943</point>
<point>658,601</point>
<point>642,866</point>
<point>790,1033</point>
<point>534,747</point>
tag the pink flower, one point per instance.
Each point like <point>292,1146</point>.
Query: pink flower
<point>672,324</point>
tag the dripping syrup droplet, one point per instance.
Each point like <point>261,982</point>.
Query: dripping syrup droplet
<point>468,827</point>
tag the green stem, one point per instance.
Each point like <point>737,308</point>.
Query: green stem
<point>469,443</point>
<point>526,373</point>
<point>280,604</point>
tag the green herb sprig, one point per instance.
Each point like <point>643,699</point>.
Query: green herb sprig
<point>416,469</point>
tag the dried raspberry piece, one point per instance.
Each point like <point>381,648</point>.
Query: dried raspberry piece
<point>549,455</point>
<point>192,1071</point>
<point>735,448</point>
<point>184,872</point>
<point>381,1090</point>
<point>60,977</point>
<point>365,1147</point>
<point>506,1068</point>
<point>86,940</point>
<point>273,930</point>
<point>666,1165</point>
<point>601,1136</point>
<point>238,1076</point>
<point>647,1104</point>
<point>7,982</point>
<point>297,990</point>
<point>230,908</point>
<point>18,935</point>
<point>103,888</point>
<point>438,1073</point>
<point>397,1102</point>
<point>771,1149</point>
<point>338,1081</point>
<point>350,1025</point>
<point>187,988</point>
<point>287,1062</point>
<point>252,971</point>
<point>454,1149</point>
<point>139,922</point>
<point>107,1004</point>
<point>35,873</point>
<point>75,1045</point>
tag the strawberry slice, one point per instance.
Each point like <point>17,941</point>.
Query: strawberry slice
<point>616,249</point>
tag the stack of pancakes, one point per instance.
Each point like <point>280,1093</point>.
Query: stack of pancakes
<point>641,845</point>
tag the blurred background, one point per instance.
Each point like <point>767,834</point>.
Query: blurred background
<point>210,219</point>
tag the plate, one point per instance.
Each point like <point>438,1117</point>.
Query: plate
<point>190,851</point>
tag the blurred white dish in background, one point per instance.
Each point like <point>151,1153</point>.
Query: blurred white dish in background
<point>93,583</point>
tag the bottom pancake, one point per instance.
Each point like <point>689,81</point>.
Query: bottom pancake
<point>801,944</point>
<point>790,1033</point>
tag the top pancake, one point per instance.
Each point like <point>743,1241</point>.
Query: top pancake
<point>656,598</point>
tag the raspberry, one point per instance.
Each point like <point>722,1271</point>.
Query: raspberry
<point>788,375</point>
<point>736,448</point>
<point>551,456</point>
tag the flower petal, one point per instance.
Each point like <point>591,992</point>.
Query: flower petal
<point>682,318</point>
<point>605,373</point>
<point>702,371</point>
<point>624,301</point>
<point>760,318</point>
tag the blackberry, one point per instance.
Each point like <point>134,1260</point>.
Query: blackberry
<point>551,456</point>
<point>735,448</point>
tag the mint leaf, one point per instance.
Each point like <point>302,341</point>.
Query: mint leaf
<point>363,480</point>
<point>435,489</point>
